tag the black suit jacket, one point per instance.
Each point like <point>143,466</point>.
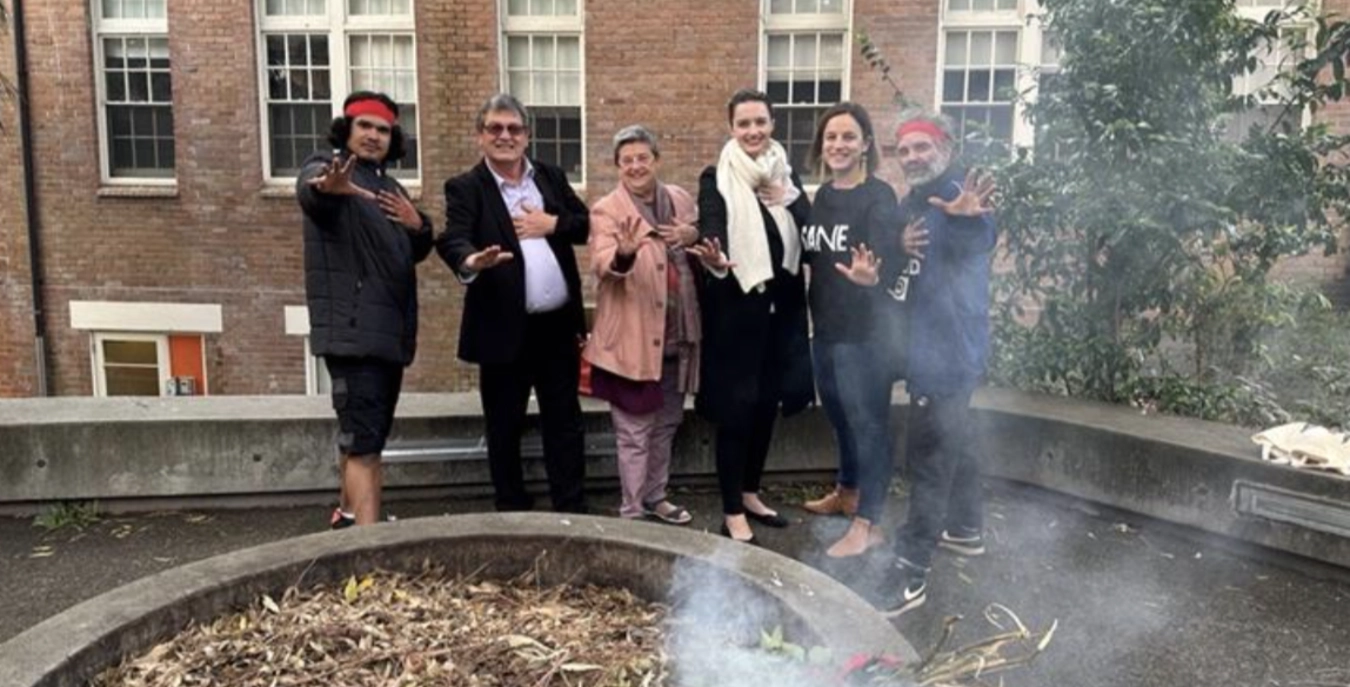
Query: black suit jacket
<point>492,328</point>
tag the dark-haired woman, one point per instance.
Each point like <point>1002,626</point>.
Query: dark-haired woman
<point>756,354</point>
<point>854,213</point>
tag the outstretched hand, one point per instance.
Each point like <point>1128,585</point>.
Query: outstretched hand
<point>975,199</point>
<point>709,252</point>
<point>864,268</point>
<point>336,180</point>
<point>629,237</point>
<point>915,238</point>
<point>486,259</point>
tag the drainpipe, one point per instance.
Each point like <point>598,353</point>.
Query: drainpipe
<point>30,198</point>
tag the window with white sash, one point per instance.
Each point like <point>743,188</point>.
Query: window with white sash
<point>542,58</point>
<point>804,70</point>
<point>134,90</point>
<point>313,54</point>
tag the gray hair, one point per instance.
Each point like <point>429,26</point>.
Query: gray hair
<point>635,133</point>
<point>942,122</point>
<point>501,102</point>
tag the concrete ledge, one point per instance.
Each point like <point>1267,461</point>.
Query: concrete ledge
<point>1199,474</point>
<point>657,563</point>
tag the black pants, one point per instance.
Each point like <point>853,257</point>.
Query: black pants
<point>944,473</point>
<point>548,364</point>
<point>742,449</point>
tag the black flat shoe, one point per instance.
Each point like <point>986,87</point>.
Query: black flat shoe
<point>774,520</point>
<point>727,533</point>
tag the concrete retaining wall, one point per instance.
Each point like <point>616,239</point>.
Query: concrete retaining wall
<point>1198,474</point>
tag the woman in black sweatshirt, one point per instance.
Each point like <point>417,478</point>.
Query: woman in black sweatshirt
<point>852,344</point>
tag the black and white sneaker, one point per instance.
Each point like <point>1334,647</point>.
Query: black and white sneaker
<point>909,591</point>
<point>972,545</point>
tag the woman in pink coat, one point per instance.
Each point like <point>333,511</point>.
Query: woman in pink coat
<point>644,348</point>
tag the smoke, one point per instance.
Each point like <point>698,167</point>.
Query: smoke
<point>715,628</point>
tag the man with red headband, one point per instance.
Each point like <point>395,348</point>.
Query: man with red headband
<point>363,240</point>
<point>943,282</point>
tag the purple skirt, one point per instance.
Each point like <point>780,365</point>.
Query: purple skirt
<point>628,395</point>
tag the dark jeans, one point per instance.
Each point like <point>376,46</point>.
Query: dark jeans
<point>856,396</point>
<point>549,363</point>
<point>944,474</point>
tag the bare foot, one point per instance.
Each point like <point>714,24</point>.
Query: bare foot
<point>860,537</point>
<point>739,528</point>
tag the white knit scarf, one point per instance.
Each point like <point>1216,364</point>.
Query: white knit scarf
<point>738,175</point>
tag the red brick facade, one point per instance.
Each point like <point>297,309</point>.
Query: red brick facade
<point>223,237</point>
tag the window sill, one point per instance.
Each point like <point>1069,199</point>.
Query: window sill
<point>131,191</point>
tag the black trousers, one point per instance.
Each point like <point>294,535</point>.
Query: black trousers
<point>548,364</point>
<point>944,474</point>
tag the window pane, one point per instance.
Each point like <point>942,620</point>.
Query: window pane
<point>958,5</point>
<point>956,49</point>
<point>780,52</point>
<point>978,87</point>
<point>518,8</point>
<point>981,48</point>
<point>832,51</point>
<point>1005,48</point>
<point>807,7</point>
<point>517,52</point>
<point>541,54</point>
<point>306,127</point>
<point>953,85</point>
<point>780,7</point>
<point>130,352</point>
<point>567,8</point>
<point>131,381</point>
<point>831,6</point>
<point>569,52</point>
<point>804,52</point>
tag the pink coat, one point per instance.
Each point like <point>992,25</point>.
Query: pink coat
<point>630,312</point>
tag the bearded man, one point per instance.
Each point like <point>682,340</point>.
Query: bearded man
<point>949,237</point>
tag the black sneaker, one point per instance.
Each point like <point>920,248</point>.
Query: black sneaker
<point>909,591</point>
<point>972,545</point>
<point>340,520</point>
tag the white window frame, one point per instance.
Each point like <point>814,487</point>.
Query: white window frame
<point>122,28</point>
<point>1023,22</point>
<point>1314,9</point>
<point>771,24</point>
<point>97,358</point>
<point>572,25</point>
<point>339,27</point>
<point>316,371</point>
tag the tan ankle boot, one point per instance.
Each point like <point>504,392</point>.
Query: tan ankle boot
<point>840,500</point>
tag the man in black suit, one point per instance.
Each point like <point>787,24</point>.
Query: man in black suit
<point>510,226</point>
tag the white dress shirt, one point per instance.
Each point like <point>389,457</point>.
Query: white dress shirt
<point>545,287</point>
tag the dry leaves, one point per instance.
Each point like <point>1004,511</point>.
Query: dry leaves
<point>396,629</point>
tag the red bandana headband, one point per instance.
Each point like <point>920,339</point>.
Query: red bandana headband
<point>921,126</point>
<point>372,107</point>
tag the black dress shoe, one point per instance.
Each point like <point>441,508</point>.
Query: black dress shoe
<point>772,520</point>
<point>727,533</point>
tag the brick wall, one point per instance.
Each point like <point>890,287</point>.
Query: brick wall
<point>223,239</point>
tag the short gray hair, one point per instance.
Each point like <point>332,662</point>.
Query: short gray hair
<point>635,133</point>
<point>942,122</point>
<point>501,102</point>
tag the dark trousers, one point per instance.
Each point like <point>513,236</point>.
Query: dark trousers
<point>944,474</point>
<point>548,364</point>
<point>856,395</point>
<point>741,454</point>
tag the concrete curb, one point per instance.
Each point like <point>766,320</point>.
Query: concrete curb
<point>71,647</point>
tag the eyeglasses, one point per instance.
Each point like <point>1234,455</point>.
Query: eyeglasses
<point>496,129</point>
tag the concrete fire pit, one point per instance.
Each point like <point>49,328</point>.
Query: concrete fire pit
<point>655,562</point>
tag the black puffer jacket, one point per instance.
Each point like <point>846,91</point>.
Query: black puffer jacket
<point>360,268</point>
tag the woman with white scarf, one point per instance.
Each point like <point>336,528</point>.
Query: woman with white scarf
<point>756,356</point>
